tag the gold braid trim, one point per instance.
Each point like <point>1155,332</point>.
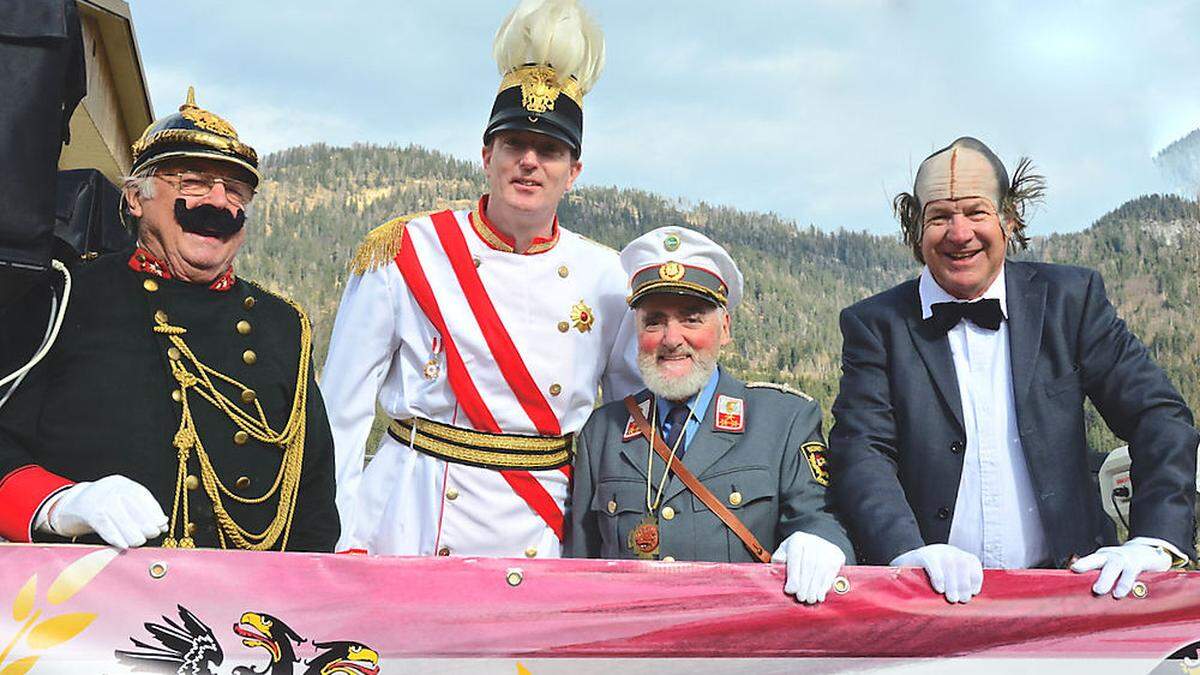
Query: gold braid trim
<point>382,244</point>
<point>200,379</point>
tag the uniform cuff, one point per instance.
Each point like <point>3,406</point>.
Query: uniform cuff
<point>22,493</point>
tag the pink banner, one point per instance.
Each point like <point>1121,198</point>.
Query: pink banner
<point>87,609</point>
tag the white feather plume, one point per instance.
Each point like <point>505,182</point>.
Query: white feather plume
<point>557,33</point>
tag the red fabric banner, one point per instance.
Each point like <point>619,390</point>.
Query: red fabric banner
<point>367,614</point>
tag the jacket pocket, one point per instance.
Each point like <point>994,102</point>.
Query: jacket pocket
<point>1063,383</point>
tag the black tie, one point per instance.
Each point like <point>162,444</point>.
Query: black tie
<point>983,313</point>
<point>676,422</point>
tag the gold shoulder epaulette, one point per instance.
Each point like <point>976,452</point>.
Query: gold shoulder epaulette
<point>779,387</point>
<point>382,244</point>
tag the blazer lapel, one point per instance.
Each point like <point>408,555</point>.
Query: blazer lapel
<point>934,349</point>
<point>1026,313</point>
<point>634,451</point>
<point>709,445</point>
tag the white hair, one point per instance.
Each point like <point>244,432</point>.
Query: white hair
<point>557,33</point>
<point>142,184</point>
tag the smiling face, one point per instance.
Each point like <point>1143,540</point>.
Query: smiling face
<point>963,242</point>
<point>192,257</point>
<point>527,175</point>
<point>679,339</point>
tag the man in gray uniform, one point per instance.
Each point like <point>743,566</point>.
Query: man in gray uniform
<point>756,448</point>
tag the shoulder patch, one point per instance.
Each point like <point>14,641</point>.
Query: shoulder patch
<point>382,244</point>
<point>779,387</point>
<point>818,463</point>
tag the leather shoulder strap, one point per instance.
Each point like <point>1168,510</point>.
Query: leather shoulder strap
<point>692,483</point>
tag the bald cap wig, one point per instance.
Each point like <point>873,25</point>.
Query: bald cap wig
<point>968,168</point>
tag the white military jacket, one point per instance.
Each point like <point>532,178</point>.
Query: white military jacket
<point>562,307</point>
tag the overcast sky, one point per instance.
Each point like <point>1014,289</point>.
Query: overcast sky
<point>818,111</point>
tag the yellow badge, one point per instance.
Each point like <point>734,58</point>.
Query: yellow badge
<point>671,242</point>
<point>817,462</point>
<point>670,271</point>
<point>539,89</point>
<point>582,317</point>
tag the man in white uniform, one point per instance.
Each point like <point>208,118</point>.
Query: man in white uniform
<point>483,334</point>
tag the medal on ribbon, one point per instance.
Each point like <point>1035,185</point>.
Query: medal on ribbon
<point>433,367</point>
<point>643,539</point>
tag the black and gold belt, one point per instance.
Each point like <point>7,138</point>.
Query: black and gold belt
<point>483,449</point>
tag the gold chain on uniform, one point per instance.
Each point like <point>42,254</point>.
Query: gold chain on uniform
<point>187,440</point>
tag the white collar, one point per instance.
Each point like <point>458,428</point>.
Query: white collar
<point>931,293</point>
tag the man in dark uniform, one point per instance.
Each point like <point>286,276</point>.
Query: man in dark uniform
<point>756,447</point>
<point>178,406</point>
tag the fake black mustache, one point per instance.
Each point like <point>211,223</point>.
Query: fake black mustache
<point>208,221</point>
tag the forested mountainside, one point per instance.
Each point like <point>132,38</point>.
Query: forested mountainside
<point>317,202</point>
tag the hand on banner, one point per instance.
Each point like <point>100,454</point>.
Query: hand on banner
<point>953,572</point>
<point>120,510</point>
<point>812,566</point>
<point>1120,566</point>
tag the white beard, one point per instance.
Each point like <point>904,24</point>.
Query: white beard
<point>676,388</point>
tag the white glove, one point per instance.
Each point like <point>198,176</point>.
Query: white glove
<point>812,565</point>
<point>953,572</point>
<point>118,509</point>
<point>1126,561</point>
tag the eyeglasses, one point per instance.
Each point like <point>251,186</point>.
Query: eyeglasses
<point>198,184</point>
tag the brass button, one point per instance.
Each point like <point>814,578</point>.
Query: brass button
<point>241,437</point>
<point>668,513</point>
<point>668,559</point>
<point>563,271</point>
<point>735,498</point>
<point>476,261</point>
<point>248,396</point>
<point>173,354</point>
<point>141,258</point>
<point>243,327</point>
<point>555,389</point>
<point>242,482</point>
<point>192,482</point>
<point>160,316</point>
<point>250,357</point>
<point>531,552</point>
<point>612,506</point>
<point>248,303</point>
<point>150,285</point>
<point>444,551</point>
<point>176,395</point>
<point>563,326</point>
<point>191,529</point>
<point>451,494</point>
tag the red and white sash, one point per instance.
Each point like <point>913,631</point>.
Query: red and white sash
<point>444,247</point>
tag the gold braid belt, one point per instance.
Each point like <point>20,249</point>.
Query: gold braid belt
<point>200,380</point>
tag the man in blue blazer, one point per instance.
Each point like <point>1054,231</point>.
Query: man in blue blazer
<point>959,439</point>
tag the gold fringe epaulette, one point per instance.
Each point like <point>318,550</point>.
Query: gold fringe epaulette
<point>778,387</point>
<point>382,244</point>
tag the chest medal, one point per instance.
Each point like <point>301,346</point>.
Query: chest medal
<point>643,539</point>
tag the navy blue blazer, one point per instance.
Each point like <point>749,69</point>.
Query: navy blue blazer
<point>896,448</point>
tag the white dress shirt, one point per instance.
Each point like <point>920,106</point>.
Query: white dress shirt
<point>995,514</point>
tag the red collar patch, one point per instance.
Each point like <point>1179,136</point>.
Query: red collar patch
<point>145,262</point>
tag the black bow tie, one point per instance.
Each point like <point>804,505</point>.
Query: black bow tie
<point>983,313</point>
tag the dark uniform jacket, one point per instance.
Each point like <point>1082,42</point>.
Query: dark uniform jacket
<point>898,439</point>
<point>763,474</point>
<point>102,402</point>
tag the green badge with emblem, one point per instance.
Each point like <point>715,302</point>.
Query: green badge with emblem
<point>671,242</point>
<point>818,463</point>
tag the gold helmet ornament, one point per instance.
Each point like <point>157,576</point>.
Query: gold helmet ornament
<point>550,53</point>
<point>193,132</point>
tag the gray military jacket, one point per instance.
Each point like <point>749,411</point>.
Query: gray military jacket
<point>771,474</point>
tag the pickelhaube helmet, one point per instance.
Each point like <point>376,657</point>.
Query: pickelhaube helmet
<point>193,132</point>
<point>550,53</point>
